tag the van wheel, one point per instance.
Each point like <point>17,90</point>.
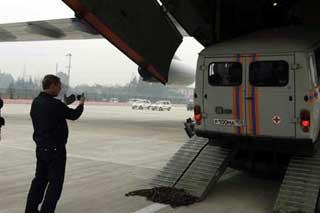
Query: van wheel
<point>160,109</point>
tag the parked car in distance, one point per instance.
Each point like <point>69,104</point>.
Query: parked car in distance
<point>141,104</point>
<point>133,100</point>
<point>114,100</point>
<point>190,105</point>
<point>161,105</point>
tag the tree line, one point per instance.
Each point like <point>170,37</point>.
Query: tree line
<point>28,88</point>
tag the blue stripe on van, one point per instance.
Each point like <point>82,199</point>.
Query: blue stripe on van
<point>253,108</point>
<point>238,99</point>
<point>238,107</point>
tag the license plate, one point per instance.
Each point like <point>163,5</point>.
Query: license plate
<point>227,122</point>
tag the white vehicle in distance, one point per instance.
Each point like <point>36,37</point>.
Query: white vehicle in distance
<point>141,104</point>
<point>114,100</point>
<point>133,100</point>
<point>161,105</point>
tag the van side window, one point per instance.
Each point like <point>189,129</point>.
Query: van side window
<point>317,56</point>
<point>225,74</point>
<point>269,73</point>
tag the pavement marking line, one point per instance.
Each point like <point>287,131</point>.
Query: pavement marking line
<point>152,208</point>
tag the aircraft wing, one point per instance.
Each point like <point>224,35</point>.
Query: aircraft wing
<point>141,30</point>
<point>58,29</point>
<point>78,28</point>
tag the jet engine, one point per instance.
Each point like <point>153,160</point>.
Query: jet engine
<point>180,73</point>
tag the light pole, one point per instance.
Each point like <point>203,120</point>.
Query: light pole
<point>69,55</point>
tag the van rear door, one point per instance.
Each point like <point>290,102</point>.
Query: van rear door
<point>270,96</point>
<point>223,103</point>
<point>249,95</point>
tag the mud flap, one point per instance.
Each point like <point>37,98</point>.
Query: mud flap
<point>189,127</point>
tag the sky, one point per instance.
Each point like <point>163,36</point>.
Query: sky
<point>93,61</point>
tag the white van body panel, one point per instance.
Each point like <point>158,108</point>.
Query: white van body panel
<point>258,110</point>
<point>198,91</point>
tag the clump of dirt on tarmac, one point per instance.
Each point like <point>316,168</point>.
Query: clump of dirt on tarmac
<point>166,195</point>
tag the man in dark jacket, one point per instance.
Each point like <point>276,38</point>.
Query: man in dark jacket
<point>50,135</point>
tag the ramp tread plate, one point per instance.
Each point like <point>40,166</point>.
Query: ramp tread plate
<point>203,169</point>
<point>297,204</point>
<point>300,188</point>
<point>175,167</point>
<point>302,180</point>
<point>197,164</point>
<point>307,198</point>
<point>300,173</point>
<point>305,167</point>
<point>296,188</point>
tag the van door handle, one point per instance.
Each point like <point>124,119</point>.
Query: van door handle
<point>248,98</point>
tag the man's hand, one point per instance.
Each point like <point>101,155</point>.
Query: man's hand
<point>82,99</point>
<point>69,100</point>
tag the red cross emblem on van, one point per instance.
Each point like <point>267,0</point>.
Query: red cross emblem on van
<point>276,119</point>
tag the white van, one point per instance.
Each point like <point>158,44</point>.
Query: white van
<point>263,87</point>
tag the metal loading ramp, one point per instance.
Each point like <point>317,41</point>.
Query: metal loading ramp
<point>205,171</point>
<point>300,187</point>
<point>181,160</point>
<point>195,167</point>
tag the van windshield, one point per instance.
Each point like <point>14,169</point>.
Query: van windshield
<point>225,74</point>
<point>269,73</point>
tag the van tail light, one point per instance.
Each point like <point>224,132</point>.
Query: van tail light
<point>197,114</point>
<point>305,120</point>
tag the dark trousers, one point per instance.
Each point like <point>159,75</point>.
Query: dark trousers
<point>46,187</point>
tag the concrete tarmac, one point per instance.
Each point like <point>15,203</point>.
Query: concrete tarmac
<point>113,150</point>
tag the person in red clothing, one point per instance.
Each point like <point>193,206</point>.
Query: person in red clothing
<point>49,117</point>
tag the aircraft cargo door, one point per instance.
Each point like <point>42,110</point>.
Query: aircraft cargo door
<point>224,105</point>
<point>270,100</point>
